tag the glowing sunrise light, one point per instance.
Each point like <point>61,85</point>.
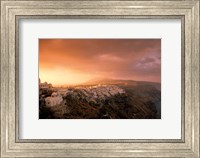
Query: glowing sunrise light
<point>63,77</point>
<point>76,61</point>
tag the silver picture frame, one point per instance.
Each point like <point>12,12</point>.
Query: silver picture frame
<point>14,10</point>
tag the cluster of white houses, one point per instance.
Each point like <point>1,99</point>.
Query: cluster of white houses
<point>92,93</point>
<point>101,91</point>
<point>95,93</point>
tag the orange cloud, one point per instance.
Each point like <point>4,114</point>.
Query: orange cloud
<point>74,61</point>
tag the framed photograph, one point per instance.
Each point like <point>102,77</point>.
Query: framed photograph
<point>100,78</point>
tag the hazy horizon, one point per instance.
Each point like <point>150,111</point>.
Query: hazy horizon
<point>77,61</point>
<point>100,79</point>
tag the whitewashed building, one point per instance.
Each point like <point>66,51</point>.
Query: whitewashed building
<point>44,85</point>
<point>55,99</point>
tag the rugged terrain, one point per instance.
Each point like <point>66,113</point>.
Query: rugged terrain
<point>105,99</point>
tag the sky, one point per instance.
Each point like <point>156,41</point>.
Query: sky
<point>75,61</point>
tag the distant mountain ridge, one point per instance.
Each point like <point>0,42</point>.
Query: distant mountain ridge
<point>110,81</point>
<point>113,81</point>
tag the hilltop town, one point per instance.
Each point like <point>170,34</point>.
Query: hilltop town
<point>107,101</point>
